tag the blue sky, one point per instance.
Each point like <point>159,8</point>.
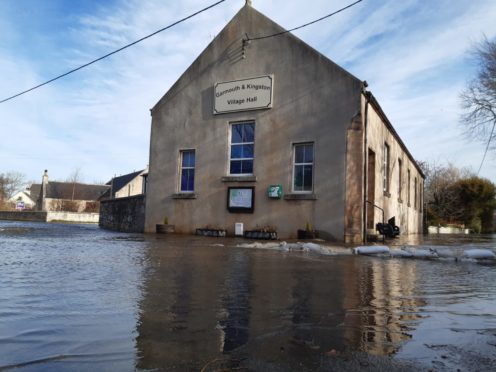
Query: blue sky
<point>413,54</point>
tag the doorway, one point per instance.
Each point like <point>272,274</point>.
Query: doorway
<point>370,189</point>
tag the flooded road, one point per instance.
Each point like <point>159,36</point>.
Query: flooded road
<point>74,297</point>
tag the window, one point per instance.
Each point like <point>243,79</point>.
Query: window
<point>145,183</point>
<point>400,186</point>
<point>421,201</point>
<point>303,167</point>
<point>187,181</point>
<point>386,169</point>
<point>242,148</point>
<point>415,193</point>
<point>408,186</point>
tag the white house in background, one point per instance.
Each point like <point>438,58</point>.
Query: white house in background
<point>23,198</point>
<point>127,185</point>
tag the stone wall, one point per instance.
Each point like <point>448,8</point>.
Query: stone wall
<point>123,214</point>
<point>23,216</point>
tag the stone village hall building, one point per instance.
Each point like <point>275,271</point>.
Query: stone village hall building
<point>270,132</point>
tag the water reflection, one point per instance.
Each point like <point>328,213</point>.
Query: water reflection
<point>385,311</point>
<point>207,302</point>
<point>235,312</point>
<point>178,323</point>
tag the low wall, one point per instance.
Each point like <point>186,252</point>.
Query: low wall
<point>23,216</point>
<point>123,214</point>
<point>447,230</point>
<point>72,217</point>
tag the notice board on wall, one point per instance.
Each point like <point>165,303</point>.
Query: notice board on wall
<point>241,199</point>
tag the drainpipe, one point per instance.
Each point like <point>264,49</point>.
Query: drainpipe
<point>365,160</point>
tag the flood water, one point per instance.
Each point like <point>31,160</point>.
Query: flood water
<point>77,298</point>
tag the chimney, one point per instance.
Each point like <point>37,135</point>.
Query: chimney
<point>44,185</point>
<point>45,178</point>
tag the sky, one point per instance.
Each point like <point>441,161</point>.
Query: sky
<point>414,54</point>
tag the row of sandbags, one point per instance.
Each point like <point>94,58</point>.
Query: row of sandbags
<point>428,253</point>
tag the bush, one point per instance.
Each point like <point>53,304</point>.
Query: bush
<point>70,206</point>
<point>92,207</point>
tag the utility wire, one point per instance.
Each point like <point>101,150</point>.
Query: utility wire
<point>114,52</point>
<point>305,25</point>
<point>487,147</point>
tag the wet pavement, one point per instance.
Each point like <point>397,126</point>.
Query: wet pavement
<point>74,297</point>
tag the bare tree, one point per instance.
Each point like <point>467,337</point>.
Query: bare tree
<point>479,98</point>
<point>10,182</point>
<point>74,178</point>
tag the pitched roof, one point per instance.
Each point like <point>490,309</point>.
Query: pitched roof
<point>74,191</point>
<point>34,191</point>
<point>23,195</point>
<point>121,181</point>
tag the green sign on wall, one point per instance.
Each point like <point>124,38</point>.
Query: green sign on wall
<point>275,191</point>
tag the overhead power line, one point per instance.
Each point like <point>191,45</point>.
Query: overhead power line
<point>114,52</point>
<point>305,25</point>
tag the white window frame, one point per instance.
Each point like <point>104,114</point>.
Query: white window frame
<point>231,124</point>
<point>181,168</point>
<point>294,164</point>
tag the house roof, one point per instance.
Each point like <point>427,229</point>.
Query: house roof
<point>34,191</point>
<point>74,191</point>
<point>23,195</point>
<point>117,183</point>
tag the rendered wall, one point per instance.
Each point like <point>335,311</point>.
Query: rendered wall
<point>405,207</point>
<point>135,187</point>
<point>314,101</point>
<point>73,217</point>
<point>354,182</point>
<point>50,216</point>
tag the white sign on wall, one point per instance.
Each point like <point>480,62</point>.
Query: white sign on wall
<point>240,199</point>
<point>243,95</point>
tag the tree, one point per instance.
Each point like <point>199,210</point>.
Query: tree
<point>10,182</point>
<point>442,205</point>
<point>457,196</point>
<point>476,197</point>
<point>479,98</point>
<point>74,178</point>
